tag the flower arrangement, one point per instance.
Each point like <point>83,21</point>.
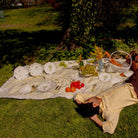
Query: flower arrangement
<point>98,53</point>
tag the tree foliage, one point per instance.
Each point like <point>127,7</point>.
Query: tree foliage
<point>82,21</point>
<point>114,15</point>
<point>81,25</point>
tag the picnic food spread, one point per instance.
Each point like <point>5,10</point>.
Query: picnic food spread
<point>74,85</point>
<point>62,79</point>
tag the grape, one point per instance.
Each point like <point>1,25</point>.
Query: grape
<point>88,70</point>
<point>63,64</point>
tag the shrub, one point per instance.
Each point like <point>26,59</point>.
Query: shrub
<point>57,55</point>
<point>120,45</point>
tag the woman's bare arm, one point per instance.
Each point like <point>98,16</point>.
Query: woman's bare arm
<point>97,120</point>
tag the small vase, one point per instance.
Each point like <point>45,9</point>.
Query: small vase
<point>101,65</point>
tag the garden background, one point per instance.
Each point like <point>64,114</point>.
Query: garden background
<point>61,30</point>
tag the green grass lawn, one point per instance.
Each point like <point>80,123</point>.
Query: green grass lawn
<point>30,19</point>
<point>49,118</point>
<point>56,117</point>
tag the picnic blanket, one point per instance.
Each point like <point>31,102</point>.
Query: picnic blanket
<point>59,80</point>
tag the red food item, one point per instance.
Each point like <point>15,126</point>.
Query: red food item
<point>68,89</point>
<point>79,87</point>
<point>122,75</point>
<point>72,84</point>
<point>78,82</point>
<point>75,84</point>
<point>82,84</point>
<point>73,89</point>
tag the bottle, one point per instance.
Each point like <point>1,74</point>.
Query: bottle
<point>80,63</point>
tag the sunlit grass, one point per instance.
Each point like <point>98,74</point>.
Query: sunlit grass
<point>5,73</point>
<point>55,118</point>
<point>27,19</point>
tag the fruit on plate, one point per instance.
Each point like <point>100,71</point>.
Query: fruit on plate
<point>79,87</point>
<point>74,86</point>
<point>73,89</point>
<point>88,70</point>
<point>82,84</point>
<point>68,89</point>
<point>78,82</point>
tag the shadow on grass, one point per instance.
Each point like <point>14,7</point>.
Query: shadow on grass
<point>16,44</point>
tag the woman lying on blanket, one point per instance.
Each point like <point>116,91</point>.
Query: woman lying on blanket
<point>109,103</point>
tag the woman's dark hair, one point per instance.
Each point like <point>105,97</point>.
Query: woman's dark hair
<point>87,110</point>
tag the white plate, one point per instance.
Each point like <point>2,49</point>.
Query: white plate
<point>21,73</point>
<point>49,68</point>
<point>105,77</point>
<point>47,86</point>
<point>44,87</point>
<point>25,89</point>
<point>36,69</point>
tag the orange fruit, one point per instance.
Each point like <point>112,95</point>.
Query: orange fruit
<point>73,89</point>
<point>68,89</point>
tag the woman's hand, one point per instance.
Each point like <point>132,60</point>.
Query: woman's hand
<point>97,120</point>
